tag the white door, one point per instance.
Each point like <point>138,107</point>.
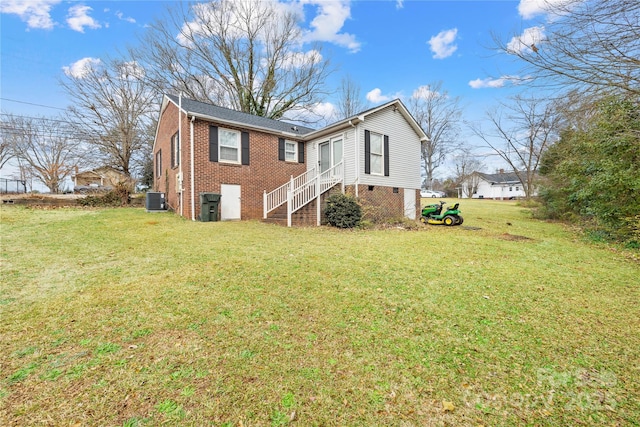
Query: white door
<point>330,154</point>
<point>229,202</point>
<point>410,203</point>
<point>325,157</point>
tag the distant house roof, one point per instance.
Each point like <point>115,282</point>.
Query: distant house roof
<point>233,117</point>
<point>100,172</point>
<point>500,178</point>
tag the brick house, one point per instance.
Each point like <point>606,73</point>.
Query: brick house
<point>264,168</point>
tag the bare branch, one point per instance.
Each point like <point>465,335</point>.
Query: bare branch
<point>520,131</point>
<point>439,116</point>
<point>590,45</point>
<point>242,55</point>
<point>45,148</point>
<point>112,105</point>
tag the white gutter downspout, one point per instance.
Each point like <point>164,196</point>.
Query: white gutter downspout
<point>192,171</point>
<point>357,162</point>
<point>180,143</point>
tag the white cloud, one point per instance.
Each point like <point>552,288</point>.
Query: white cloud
<point>131,70</point>
<point>324,109</point>
<point>121,17</point>
<point>329,21</point>
<point>399,4</point>
<point>79,18</point>
<point>376,97</point>
<point>497,83</point>
<point>425,92</point>
<point>531,8</point>
<point>530,37</point>
<point>36,13</point>
<point>298,59</point>
<point>81,67</point>
<point>443,44</point>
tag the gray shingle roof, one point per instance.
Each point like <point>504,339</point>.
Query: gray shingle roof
<point>228,115</point>
<point>500,178</point>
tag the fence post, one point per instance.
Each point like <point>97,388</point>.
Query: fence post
<point>264,205</point>
<point>289,201</point>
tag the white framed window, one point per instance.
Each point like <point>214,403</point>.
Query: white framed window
<point>376,154</point>
<point>290,151</point>
<point>175,150</point>
<point>228,146</point>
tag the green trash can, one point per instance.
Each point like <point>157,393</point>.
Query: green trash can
<point>209,206</point>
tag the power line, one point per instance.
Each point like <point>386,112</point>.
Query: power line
<point>45,119</point>
<point>34,104</point>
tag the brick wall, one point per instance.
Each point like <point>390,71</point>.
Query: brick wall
<point>381,204</point>
<point>264,172</point>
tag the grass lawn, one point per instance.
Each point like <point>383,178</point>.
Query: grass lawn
<point>120,317</point>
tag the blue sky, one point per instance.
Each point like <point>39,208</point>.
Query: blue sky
<point>391,48</point>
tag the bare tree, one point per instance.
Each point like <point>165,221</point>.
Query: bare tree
<point>439,116</point>
<point>6,153</point>
<point>466,167</point>
<point>112,105</point>
<point>520,131</point>
<point>242,55</point>
<point>349,99</point>
<point>45,148</point>
<point>587,44</point>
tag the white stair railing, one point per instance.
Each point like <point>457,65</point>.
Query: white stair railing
<point>301,190</point>
<point>331,177</point>
<point>278,197</point>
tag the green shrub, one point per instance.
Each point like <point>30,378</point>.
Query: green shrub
<point>343,211</point>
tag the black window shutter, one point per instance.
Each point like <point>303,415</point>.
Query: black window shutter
<point>280,148</point>
<point>300,152</point>
<point>386,155</point>
<point>245,147</point>
<point>367,152</point>
<point>213,143</point>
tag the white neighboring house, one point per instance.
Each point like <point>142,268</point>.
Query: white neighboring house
<point>502,185</point>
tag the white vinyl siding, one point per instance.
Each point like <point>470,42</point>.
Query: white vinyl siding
<point>340,143</point>
<point>404,150</point>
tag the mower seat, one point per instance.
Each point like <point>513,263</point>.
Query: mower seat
<point>455,206</point>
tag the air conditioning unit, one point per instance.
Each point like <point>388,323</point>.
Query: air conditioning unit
<point>155,202</point>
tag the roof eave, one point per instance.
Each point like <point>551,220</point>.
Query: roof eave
<point>244,125</point>
<point>336,127</point>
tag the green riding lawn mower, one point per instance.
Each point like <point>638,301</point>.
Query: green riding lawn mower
<point>436,214</point>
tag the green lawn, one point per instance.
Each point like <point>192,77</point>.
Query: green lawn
<point>122,317</point>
